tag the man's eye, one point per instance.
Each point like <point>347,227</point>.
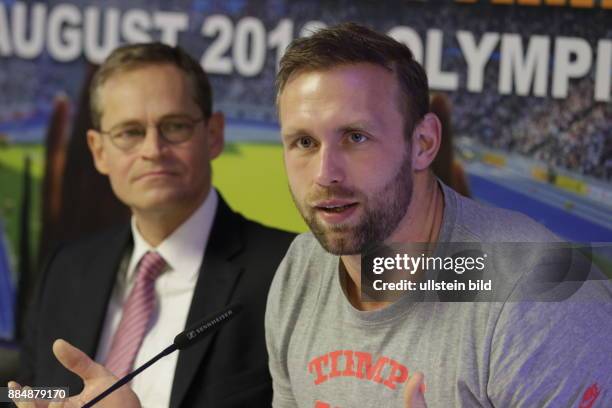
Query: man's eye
<point>304,142</point>
<point>357,137</point>
<point>131,133</point>
<point>175,126</point>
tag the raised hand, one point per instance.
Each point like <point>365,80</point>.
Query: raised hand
<point>414,392</point>
<point>95,378</point>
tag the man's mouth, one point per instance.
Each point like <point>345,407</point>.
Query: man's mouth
<point>335,208</point>
<point>155,173</point>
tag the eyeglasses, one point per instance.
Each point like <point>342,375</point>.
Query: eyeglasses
<point>172,130</point>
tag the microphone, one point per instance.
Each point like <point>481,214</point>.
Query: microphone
<point>183,340</point>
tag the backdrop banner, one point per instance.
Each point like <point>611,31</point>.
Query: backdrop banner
<point>529,82</point>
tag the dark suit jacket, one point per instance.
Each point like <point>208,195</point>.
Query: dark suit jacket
<point>228,369</point>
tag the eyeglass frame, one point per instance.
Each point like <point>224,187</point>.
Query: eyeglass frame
<point>193,123</point>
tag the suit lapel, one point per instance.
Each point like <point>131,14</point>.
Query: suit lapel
<point>213,291</point>
<point>94,291</point>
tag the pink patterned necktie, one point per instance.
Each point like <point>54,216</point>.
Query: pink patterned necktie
<point>137,312</point>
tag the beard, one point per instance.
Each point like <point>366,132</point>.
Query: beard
<point>382,212</point>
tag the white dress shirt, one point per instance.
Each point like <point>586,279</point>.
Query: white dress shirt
<point>183,252</point>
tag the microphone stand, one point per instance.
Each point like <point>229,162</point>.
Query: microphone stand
<point>183,340</point>
<point>171,348</point>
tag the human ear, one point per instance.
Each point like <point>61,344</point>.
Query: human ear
<point>96,147</point>
<point>426,139</point>
<point>216,134</point>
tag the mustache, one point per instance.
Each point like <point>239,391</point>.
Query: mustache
<point>333,192</point>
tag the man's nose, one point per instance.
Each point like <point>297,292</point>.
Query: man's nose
<point>330,167</point>
<point>152,144</point>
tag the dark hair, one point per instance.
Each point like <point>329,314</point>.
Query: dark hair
<point>138,55</point>
<point>351,43</point>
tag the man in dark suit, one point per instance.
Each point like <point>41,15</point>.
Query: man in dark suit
<point>121,296</point>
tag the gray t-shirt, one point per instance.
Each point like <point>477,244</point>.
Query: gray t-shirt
<point>325,353</point>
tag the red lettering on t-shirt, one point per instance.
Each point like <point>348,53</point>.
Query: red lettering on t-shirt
<point>334,372</point>
<point>590,396</point>
<point>364,364</point>
<point>349,363</point>
<point>349,371</point>
<point>397,375</point>
<point>317,365</point>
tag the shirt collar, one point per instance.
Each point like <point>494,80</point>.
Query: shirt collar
<point>182,250</point>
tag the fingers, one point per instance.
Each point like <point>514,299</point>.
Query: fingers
<point>23,403</point>
<point>64,404</point>
<point>414,392</point>
<point>78,362</point>
<point>38,403</point>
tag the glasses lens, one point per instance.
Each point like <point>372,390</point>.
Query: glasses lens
<point>128,137</point>
<point>176,130</point>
